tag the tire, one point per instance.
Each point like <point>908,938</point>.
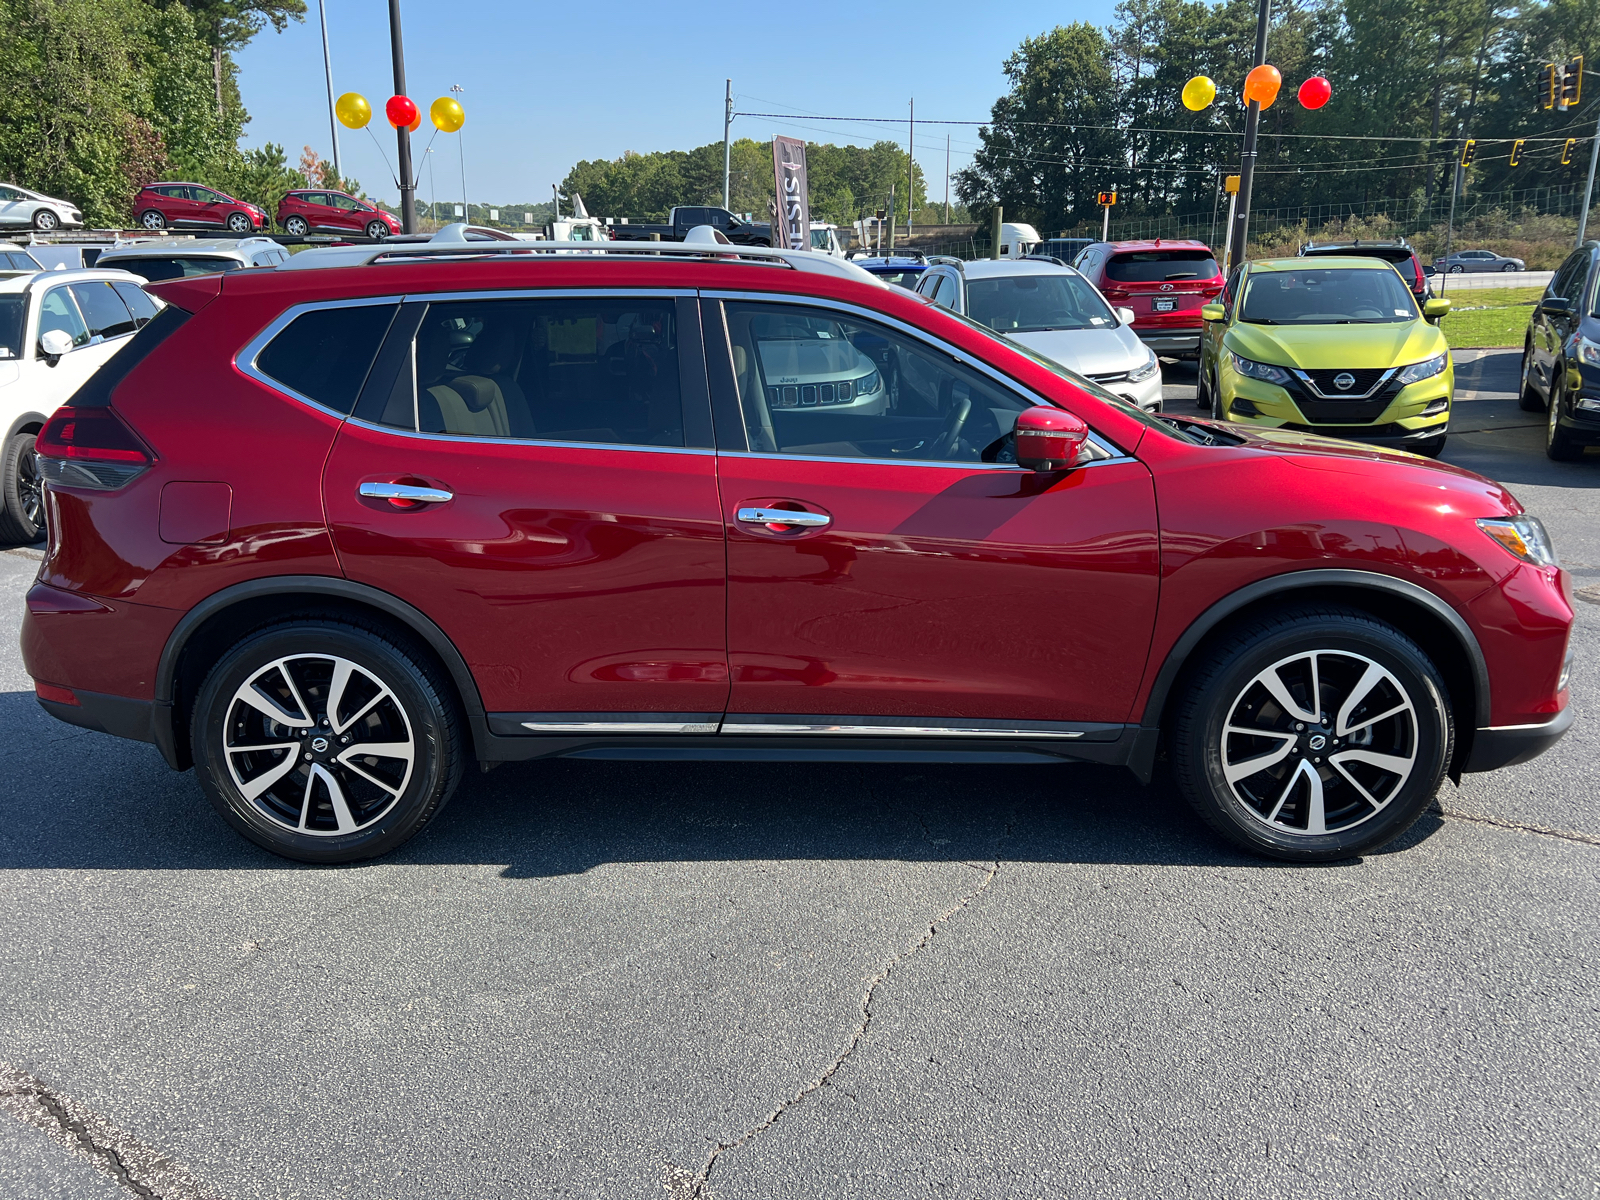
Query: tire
<point>45,220</point>
<point>151,219</point>
<point>1509,267</point>
<point>22,520</point>
<point>1202,389</point>
<point>296,226</point>
<point>402,702</point>
<point>241,223</point>
<point>1272,810</point>
<point>1528,399</point>
<point>377,230</point>
<point>1559,444</point>
<point>1429,448</point>
<point>1457,269</point>
<point>1216,400</point>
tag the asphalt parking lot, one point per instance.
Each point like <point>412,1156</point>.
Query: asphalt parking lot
<point>635,980</point>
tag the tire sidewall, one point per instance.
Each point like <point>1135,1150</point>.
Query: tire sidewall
<point>14,522</point>
<point>160,221</point>
<point>433,774</point>
<point>1374,641</point>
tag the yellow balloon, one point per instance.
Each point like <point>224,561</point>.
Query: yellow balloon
<point>446,115</point>
<point>353,110</point>
<point>1199,92</point>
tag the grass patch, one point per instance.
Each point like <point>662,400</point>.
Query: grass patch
<point>1490,317</point>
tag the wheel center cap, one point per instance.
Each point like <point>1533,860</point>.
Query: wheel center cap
<point>319,745</point>
<point>1317,741</point>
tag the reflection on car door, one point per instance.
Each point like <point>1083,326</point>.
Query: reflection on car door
<point>578,564</point>
<point>1549,328</point>
<point>917,587</point>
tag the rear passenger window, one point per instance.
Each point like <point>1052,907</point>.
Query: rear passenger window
<point>573,370</point>
<point>325,354</point>
<point>139,304</point>
<point>103,309</point>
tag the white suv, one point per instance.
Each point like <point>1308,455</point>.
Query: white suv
<point>1055,312</point>
<point>56,329</point>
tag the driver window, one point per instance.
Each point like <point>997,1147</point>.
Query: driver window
<point>817,382</point>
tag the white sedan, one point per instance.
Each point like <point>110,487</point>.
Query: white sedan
<point>23,209</point>
<point>1056,313</point>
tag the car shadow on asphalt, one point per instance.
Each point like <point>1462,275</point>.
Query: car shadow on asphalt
<point>86,801</point>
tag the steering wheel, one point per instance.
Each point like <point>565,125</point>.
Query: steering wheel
<point>945,443</point>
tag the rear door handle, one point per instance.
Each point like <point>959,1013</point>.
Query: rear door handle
<point>405,491</point>
<point>784,516</point>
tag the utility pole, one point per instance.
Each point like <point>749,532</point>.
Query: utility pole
<point>408,185</point>
<point>1588,188</point>
<point>911,170</point>
<point>461,151</point>
<point>555,190</point>
<point>947,179</point>
<point>327,67</point>
<point>1239,227</point>
<point>727,147</point>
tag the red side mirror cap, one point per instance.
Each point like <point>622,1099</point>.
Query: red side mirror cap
<point>1048,439</point>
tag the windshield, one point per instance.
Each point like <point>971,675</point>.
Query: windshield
<point>1035,302</point>
<point>1162,266</point>
<point>1330,296</point>
<point>157,269</point>
<point>12,310</point>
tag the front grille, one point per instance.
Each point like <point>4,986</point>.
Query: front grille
<point>1115,377</point>
<point>1352,433</point>
<point>810,395</point>
<point>1343,412</point>
<point>1366,378</point>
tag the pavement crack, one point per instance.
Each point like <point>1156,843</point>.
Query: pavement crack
<point>1565,835</point>
<point>686,1187</point>
<point>143,1171</point>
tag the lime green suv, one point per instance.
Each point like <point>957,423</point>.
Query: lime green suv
<point>1335,346</point>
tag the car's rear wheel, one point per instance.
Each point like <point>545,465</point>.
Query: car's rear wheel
<point>22,496</point>
<point>1559,444</point>
<point>151,219</point>
<point>326,741</point>
<point>1528,398</point>
<point>377,230</point>
<point>240,223</point>
<point>296,226</point>
<point>1313,734</point>
<point>45,220</point>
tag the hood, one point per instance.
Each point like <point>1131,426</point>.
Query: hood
<point>1313,347</point>
<point>1087,351</point>
<point>811,360</point>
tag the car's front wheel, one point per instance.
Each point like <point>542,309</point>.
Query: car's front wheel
<point>1559,444</point>
<point>240,223</point>
<point>1202,388</point>
<point>377,230</point>
<point>1456,269</point>
<point>21,493</point>
<point>1314,734</point>
<point>325,740</point>
<point>1528,398</point>
<point>151,219</point>
<point>45,220</point>
<point>1510,267</point>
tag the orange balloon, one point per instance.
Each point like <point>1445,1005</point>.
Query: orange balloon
<point>1262,85</point>
<point>416,122</point>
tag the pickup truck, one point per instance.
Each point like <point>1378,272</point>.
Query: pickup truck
<point>680,220</point>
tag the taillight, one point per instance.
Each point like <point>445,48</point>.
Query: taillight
<point>1114,293</point>
<point>91,448</point>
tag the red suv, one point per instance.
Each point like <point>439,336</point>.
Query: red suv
<point>1164,283</point>
<point>190,205</point>
<point>333,533</point>
<point>300,213</point>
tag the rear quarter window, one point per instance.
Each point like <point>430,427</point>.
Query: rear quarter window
<point>324,355</point>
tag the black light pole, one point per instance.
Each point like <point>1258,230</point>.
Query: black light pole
<point>1247,160</point>
<point>408,185</point>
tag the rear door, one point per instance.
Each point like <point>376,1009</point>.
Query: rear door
<point>567,535</point>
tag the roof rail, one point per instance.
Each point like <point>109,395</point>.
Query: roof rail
<point>947,260</point>
<point>1049,258</point>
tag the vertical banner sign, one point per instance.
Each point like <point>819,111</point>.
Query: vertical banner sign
<point>792,228</point>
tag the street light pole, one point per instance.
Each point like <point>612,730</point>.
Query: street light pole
<point>461,150</point>
<point>1239,227</point>
<point>911,170</point>
<point>1588,188</point>
<point>408,185</point>
<point>727,146</point>
<point>327,66</point>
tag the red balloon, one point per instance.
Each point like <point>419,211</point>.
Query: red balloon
<point>401,111</point>
<point>1315,91</point>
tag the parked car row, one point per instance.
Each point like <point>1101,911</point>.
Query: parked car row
<point>1561,356</point>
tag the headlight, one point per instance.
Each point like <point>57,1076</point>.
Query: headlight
<point>1255,370</point>
<point>1589,352</point>
<point>1524,536</point>
<point>868,384</point>
<point>1144,370</point>
<point>1426,369</point>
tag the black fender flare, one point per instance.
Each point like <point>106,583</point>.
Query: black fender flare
<point>26,419</point>
<point>1282,585</point>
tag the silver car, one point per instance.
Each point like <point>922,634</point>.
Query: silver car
<point>22,209</point>
<point>158,259</point>
<point>1477,260</point>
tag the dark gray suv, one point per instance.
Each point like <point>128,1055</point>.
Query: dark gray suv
<point>1561,357</point>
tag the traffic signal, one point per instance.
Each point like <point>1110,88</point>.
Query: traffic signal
<point>1516,152</point>
<point>1566,152</point>
<point>1550,84</point>
<point>1469,151</point>
<point>1572,83</point>
<point>1108,198</point>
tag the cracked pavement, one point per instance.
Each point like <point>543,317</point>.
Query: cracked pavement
<point>762,980</point>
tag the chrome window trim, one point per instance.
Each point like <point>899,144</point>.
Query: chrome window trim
<point>245,361</point>
<point>1321,395</point>
<point>471,439</point>
<point>932,343</point>
<point>1114,456</point>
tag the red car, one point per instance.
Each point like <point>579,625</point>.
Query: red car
<point>191,205</point>
<point>333,533</point>
<point>1163,282</point>
<point>303,212</point>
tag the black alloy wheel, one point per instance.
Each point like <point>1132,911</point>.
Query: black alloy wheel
<point>1314,734</point>
<point>22,519</point>
<point>1559,444</point>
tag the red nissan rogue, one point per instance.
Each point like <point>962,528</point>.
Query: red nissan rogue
<point>332,533</point>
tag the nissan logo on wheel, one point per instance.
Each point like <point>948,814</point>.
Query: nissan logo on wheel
<point>1344,381</point>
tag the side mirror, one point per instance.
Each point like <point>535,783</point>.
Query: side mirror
<point>1125,316</point>
<point>54,343</point>
<point>1213,312</point>
<point>1558,306</point>
<point>1048,439</point>
<point>1432,310</point>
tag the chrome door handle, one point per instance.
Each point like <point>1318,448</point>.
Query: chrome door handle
<point>405,491</point>
<point>784,516</point>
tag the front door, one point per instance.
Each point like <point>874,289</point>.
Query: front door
<point>58,309</point>
<point>921,584</point>
<point>539,480</point>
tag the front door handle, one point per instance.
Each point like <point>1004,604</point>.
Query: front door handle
<point>784,516</point>
<point>405,493</point>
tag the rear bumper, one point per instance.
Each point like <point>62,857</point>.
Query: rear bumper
<point>1508,745</point>
<point>1170,341</point>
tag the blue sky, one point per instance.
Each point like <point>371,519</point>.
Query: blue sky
<point>548,86</point>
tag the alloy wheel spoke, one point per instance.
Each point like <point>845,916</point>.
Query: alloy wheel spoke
<point>1254,766</point>
<point>343,820</point>
<point>364,710</point>
<point>249,694</point>
<point>342,671</point>
<point>1273,682</point>
<point>294,690</point>
<point>252,788</point>
<point>264,746</point>
<point>1370,679</point>
<point>1356,783</point>
<point>1393,763</point>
